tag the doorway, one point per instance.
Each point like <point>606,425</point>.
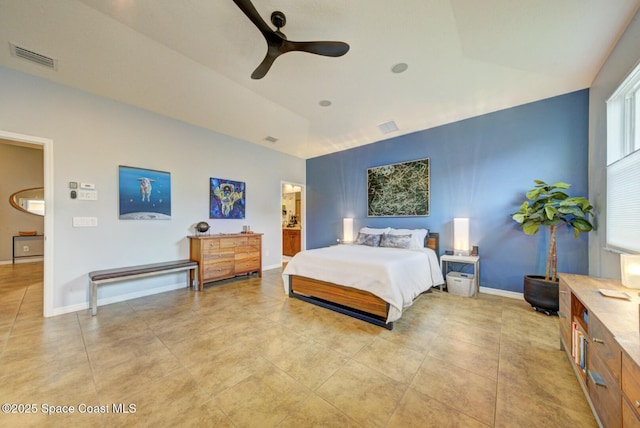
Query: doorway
<point>293,220</point>
<point>46,145</point>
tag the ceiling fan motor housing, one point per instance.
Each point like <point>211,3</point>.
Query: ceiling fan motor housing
<point>278,19</point>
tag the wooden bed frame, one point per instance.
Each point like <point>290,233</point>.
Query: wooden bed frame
<point>346,300</point>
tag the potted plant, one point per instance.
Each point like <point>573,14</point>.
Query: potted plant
<point>549,205</point>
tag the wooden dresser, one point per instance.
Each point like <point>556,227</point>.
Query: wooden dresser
<point>226,255</point>
<point>601,336</point>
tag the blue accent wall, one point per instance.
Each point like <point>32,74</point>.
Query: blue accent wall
<point>480,168</point>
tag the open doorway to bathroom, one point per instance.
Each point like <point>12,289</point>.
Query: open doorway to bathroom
<point>293,219</point>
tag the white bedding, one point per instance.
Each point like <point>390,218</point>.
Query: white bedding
<point>395,275</point>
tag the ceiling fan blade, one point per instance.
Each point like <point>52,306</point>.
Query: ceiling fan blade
<point>320,48</point>
<point>264,66</point>
<point>247,7</point>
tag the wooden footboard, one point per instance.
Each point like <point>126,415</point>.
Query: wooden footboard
<point>350,301</point>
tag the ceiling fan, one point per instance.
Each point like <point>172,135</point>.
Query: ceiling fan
<point>277,43</point>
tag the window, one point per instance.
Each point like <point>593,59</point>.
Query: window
<point>623,166</point>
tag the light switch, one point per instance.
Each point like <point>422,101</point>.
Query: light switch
<point>87,195</point>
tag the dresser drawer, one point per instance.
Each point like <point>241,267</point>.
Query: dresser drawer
<point>210,245</point>
<point>602,340</point>
<point>213,255</point>
<point>218,269</point>
<point>248,264</point>
<point>233,242</point>
<point>631,383</point>
<point>630,417</point>
<point>603,389</point>
<point>254,241</point>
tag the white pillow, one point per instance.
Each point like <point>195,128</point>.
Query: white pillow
<point>417,236</point>
<point>373,231</point>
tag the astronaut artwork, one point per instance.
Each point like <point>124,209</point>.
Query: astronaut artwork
<point>145,194</point>
<point>227,199</point>
<point>145,188</point>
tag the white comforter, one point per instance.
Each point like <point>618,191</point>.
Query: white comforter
<point>395,275</point>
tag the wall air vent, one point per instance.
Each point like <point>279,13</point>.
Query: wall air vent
<point>32,56</point>
<point>271,139</point>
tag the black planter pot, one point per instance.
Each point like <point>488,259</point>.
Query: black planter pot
<point>541,294</point>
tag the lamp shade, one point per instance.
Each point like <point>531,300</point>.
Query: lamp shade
<point>347,230</point>
<point>630,270</point>
<point>461,236</point>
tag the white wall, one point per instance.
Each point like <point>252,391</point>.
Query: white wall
<point>92,136</point>
<point>620,62</point>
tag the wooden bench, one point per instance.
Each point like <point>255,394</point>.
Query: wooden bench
<point>100,277</point>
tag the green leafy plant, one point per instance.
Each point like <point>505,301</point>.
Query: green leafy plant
<point>549,205</point>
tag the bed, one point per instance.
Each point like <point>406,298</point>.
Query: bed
<point>374,279</point>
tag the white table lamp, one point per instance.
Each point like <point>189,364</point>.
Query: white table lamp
<point>347,230</point>
<point>630,270</point>
<point>461,236</point>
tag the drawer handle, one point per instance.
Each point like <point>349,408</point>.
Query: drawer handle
<point>596,340</point>
<point>597,379</point>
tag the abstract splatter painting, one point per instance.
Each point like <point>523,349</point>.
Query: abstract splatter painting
<point>399,190</point>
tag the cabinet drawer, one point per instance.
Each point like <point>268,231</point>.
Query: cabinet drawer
<point>254,241</point>
<point>210,244</point>
<point>218,269</point>
<point>631,383</point>
<point>214,255</point>
<point>602,340</point>
<point>630,416</point>
<point>248,264</point>
<point>564,314</point>
<point>564,295</point>
<point>233,242</point>
<point>603,390</point>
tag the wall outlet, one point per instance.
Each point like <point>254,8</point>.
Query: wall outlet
<point>25,248</point>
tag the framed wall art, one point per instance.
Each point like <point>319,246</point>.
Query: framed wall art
<point>144,194</point>
<point>226,198</point>
<point>399,190</point>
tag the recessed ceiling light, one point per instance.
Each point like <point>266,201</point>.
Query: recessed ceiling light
<point>325,103</point>
<point>400,67</point>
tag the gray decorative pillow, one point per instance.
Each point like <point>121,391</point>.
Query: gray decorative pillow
<point>395,241</point>
<point>368,239</point>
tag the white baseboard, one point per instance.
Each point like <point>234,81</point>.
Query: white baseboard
<point>503,293</point>
<point>272,267</point>
<point>116,299</point>
<point>22,260</point>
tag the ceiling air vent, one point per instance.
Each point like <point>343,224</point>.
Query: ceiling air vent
<point>33,56</point>
<point>388,127</point>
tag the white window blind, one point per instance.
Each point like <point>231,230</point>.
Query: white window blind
<point>623,166</point>
<point>623,203</point>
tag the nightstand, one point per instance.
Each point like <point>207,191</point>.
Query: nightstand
<point>469,260</point>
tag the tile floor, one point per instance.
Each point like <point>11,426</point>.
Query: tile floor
<point>241,354</point>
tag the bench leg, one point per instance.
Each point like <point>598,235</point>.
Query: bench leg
<point>93,298</point>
